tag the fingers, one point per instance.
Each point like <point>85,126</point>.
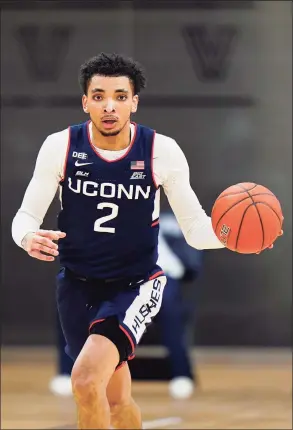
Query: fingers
<point>42,242</point>
<point>38,255</point>
<point>269,247</point>
<point>51,234</point>
<point>50,249</point>
<point>39,243</point>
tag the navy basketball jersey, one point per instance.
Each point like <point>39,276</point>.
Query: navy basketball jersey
<point>109,210</point>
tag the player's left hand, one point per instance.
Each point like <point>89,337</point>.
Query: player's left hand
<point>272,245</point>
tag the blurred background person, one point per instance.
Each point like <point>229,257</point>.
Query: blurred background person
<point>182,265</point>
<point>60,384</point>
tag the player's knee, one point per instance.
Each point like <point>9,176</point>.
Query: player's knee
<point>84,383</point>
<point>84,389</point>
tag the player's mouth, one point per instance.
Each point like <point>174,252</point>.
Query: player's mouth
<point>109,122</point>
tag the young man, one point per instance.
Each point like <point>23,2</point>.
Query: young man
<point>109,288</point>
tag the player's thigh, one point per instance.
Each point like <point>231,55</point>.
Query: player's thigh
<point>119,387</point>
<point>73,312</point>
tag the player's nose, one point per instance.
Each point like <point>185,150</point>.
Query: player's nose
<point>109,106</point>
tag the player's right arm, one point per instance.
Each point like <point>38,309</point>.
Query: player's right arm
<point>39,194</point>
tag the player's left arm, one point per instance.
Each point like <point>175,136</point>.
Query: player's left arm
<point>195,224</point>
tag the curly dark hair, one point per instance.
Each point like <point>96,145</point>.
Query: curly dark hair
<point>112,65</point>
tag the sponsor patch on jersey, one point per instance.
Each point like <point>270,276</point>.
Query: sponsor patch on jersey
<point>80,155</point>
<point>137,175</point>
<point>82,174</point>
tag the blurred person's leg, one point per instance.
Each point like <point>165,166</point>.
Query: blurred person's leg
<point>64,362</point>
<point>172,322</point>
<point>60,384</point>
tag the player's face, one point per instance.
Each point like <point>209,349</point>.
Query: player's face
<point>110,102</point>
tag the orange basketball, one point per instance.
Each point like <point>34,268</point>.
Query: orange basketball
<point>247,218</point>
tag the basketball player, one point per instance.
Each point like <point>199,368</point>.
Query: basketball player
<point>109,172</point>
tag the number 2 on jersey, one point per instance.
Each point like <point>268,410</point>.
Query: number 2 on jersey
<point>103,219</point>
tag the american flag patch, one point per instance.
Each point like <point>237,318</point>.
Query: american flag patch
<point>137,165</point>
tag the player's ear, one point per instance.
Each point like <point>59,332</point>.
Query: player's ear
<point>84,103</point>
<point>134,104</point>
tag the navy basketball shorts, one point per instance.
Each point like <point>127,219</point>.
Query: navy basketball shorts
<point>117,309</point>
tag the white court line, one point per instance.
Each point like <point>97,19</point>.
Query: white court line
<point>162,422</point>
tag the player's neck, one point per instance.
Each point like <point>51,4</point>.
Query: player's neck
<point>111,143</point>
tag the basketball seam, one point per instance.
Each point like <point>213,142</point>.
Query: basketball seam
<point>260,219</point>
<point>239,229</point>
<point>234,204</point>
<point>238,192</point>
<point>264,203</point>
<point>261,223</point>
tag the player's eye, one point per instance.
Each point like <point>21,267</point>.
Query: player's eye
<point>97,97</point>
<point>122,98</point>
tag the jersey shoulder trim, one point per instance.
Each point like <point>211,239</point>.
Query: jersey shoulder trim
<point>152,161</point>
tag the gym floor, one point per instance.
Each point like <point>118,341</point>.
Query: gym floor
<point>237,390</point>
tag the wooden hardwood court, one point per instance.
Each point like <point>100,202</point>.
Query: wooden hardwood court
<point>253,391</point>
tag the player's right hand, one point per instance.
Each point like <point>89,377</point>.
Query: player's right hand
<point>41,243</point>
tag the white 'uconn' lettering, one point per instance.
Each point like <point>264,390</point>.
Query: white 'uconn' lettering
<point>108,190</point>
<point>121,189</point>
<point>78,184</point>
<point>84,188</point>
<point>103,191</point>
<point>145,194</point>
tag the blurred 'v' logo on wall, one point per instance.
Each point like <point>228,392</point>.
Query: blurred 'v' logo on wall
<point>210,47</point>
<point>44,49</point>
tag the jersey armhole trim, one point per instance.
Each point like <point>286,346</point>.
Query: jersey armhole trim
<point>66,156</point>
<point>152,161</point>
